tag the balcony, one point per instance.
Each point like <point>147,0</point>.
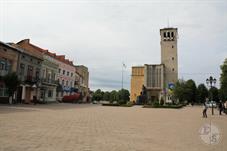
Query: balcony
<point>49,81</point>
<point>3,72</point>
<point>30,79</point>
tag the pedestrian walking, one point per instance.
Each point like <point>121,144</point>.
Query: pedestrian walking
<point>225,107</point>
<point>220,106</point>
<point>205,110</point>
<point>34,100</point>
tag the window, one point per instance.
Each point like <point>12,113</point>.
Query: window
<point>5,49</point>
<point>37,74</point>
<point>23,56</point>
<point>164,34</point>
<point>168,34</point>
<point>71,74</point>
<point>67,82</point>
<point>31,59</point>
<point>68,73</point>
<point>172,46</point>
<point>2,66</point>
<point>22,69</point>
<point>172,34</point>
<point>71,84</point>
<point>172,58</point>
<point>173,69</point>
<point>50,94</point>
<point>59,70</point>
<point>29,72</point>
<point>63,71</point>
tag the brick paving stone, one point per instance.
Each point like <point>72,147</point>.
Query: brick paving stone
<point>87,127</point>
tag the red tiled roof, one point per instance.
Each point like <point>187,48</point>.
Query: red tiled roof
<point>26,43</point>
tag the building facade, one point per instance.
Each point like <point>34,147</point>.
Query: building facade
<point>158,79</point>
<point>29,73</point>
<point>137,82</point>
<point>82,82</point>
<point>9,57</point>
<point>47,82</point>
<point>65,76</point>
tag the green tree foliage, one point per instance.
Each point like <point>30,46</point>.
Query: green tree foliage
<point>106,96</point>
<point>98,95</point>
<point>114,96</point>
<point>223,80</point>
<point>185,91</point>
<point>179,90</point>
<point>123,96</point>
<point>213,94</point>
<point>190,91</point>
<point>202,93</point>
<point>12,82</point>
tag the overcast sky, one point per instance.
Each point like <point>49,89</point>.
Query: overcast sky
<point>101,34</point>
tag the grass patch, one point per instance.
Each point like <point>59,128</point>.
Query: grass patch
<point>173,106</point>
<point>129,104</point>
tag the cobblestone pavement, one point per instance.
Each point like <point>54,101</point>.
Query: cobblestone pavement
<point>84,127</point>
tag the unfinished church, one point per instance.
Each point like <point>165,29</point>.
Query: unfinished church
<point>155,81</point>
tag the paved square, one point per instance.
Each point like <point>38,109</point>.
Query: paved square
<point>69,127</point>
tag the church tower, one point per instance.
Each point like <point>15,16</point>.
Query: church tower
<point>169,55</point>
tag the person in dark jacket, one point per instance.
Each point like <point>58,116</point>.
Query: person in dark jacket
<point>205,110</point>
<point>220,106</point>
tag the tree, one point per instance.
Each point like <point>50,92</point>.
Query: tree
<point>106,96</point>
<point>179,90</point>
<point>213,94</point>
<point>97,96</point>
<point>114,96</point>
<point>190,90</point>
<point>123,96</point>
<point>12,82</point>
<point>202,93</point>
<point>223,80</point>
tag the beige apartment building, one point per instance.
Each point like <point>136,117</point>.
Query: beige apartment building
<point>158,79</point>
<point>82,82</point>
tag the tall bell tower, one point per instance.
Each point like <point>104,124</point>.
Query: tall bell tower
<point>169,55</point>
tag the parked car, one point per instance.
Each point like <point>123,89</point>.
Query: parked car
<point>209,104</point>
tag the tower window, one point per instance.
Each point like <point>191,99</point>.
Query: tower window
<point>168,34</point>
<point>164,34</point>
<point>172,34</point>
<point>172,58</point>
<point>173,69</point>
<point>172,46</point>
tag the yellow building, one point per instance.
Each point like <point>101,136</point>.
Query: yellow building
<point>137,82</point>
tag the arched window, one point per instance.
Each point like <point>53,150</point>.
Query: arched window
<point>172,34</point>
<point>169,34</point>
<point>164,34</point>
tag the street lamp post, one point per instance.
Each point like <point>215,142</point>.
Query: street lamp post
<point>210,82</point>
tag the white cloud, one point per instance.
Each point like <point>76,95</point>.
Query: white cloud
<point>102,34</point>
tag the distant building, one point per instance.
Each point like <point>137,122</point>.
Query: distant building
<point>82,81</point>
<point>158,79</point>
<point>65,76</point>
